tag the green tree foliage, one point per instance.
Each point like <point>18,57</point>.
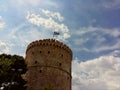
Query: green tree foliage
<point>11,69</point>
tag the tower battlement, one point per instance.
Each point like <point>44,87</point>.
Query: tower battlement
<point>49,42</point>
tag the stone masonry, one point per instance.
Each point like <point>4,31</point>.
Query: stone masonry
<point>49,65</point>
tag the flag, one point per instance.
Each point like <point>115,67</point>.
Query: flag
<point>56,33</point>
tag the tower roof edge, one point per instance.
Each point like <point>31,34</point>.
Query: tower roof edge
<point>46,42</point>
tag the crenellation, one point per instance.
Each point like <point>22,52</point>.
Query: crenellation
<point>52,42</point>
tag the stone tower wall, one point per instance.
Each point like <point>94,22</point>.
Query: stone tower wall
<point>49,65</point>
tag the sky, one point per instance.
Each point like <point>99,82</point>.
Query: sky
<point>91,28</point>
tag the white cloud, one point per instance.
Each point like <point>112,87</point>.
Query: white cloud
<point>2,24</point>
<point>66,35</point>
<point>84,30</point>
<point>24,5</point>
<point>98,37</point>
<point>12,34</point>
<point>115,53</point>
<point>112,4</point>
<point>23,37</point>
<point>34,2</point>
<point>49,23</point>
<point>3,8</point>
<point>102,73</point>
<point>4,47</point>
<point>54,15</point>
<point>25,2</point>
<point>107,47</point>
<point>115,32</point>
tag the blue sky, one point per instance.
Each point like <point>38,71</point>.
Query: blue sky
<point>91,28</point>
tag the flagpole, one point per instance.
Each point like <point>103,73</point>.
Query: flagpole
<point>53,35</point>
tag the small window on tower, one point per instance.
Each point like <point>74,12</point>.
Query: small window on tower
<point>32,52</point>
<point>40,51</point>
<point>48,52</point>
<point>62,55</point>
<point>36,62</point>
<point>40,71</point>
<point>60,64</point>
<point>67,77</point>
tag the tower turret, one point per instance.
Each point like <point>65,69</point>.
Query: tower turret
<point>49,65</point>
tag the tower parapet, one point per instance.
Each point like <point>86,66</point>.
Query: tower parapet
<point>49,65</point>
<point>50,42</point>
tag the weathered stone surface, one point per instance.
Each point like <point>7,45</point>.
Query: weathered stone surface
<point>49,65</point>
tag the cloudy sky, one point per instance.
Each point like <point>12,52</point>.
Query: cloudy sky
<point>91,28</point>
